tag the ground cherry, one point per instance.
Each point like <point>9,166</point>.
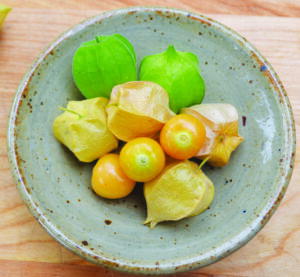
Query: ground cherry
<point>142,159</point>
<point>182,136</point>
<point>108,178</point>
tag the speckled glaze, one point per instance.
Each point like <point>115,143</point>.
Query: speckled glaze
<point>56,187</point>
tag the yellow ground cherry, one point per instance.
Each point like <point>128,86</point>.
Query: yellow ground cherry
<point>142,159</point>
<point>109,180</point>
<point>182,136</point>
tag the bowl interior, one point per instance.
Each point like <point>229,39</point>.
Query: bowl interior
<point>56,186</point>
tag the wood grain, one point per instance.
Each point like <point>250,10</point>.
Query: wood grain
<point>288,8</point>
<point>25,247</point>
<point>34,269</point>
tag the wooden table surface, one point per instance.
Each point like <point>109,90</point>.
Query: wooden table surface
<point>272,26</point>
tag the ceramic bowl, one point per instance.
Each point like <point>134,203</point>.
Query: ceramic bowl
<point>56,187</point>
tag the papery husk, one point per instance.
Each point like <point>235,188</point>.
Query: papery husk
<point>4,10</point>
<point>82,128</point>
<point>221,125</point>
<point>181,190</point>
<point>137,109</point>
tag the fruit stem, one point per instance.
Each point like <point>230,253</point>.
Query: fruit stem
<point>171,51</point>
<point>111,105</point>
<point>71,111</point>
<point>203,162</point>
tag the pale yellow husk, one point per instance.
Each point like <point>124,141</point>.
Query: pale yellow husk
<point>85,133</point>
<point>4,10</point>
<point>137,109</point>
<point>221,125</point>
<point>180,191</point>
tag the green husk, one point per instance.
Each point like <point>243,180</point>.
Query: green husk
<point>102,63</point>
<point>178,73</point>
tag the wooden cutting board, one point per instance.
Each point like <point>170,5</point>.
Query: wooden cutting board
<point>25,247</point>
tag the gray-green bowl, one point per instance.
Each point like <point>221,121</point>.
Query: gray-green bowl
<point>56,187</point>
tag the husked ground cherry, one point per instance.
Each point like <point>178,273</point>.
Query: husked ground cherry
<point>142,159</point>
<point>182,136</point>
<point>109,180</point>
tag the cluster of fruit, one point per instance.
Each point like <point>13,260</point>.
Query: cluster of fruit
<point>143,114</point>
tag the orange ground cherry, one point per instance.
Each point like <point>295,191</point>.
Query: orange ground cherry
<point>142,159</point>
<point>109,180</point>
<point>182,136</point>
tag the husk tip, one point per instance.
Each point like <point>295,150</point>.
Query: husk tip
<point>150,222</point>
